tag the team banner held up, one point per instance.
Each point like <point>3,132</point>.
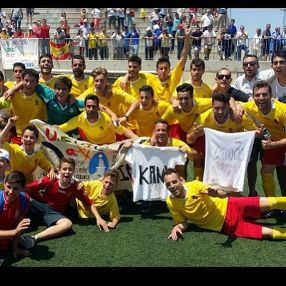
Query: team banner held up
<point>19,50</point>
<point>91,160</point>
<point>148,164</point>
<point>59,51</point>
<point>226,158</point>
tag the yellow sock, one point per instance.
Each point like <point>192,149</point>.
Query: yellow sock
<point>278,203</point>
<point>268,184</point>
<point>279,233</point>
<point>198,173</point>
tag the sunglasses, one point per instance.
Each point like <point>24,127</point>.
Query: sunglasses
<point>252,64</point>
<point>221,76</point>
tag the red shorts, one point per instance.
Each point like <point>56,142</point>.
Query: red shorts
<point>176,131</point>
<point>274,156</point>
<point>121,137</point>
<point>199,145</point>
<point>239,215</point>
<point>16,140</point>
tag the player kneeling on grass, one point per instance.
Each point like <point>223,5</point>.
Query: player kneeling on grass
<point>53,200</point>
<point>211,209</point>
<point>100,192</point>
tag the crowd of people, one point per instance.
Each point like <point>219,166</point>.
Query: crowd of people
<point>161,107</point>
<point>112,33</point>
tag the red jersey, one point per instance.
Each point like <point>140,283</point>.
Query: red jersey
<point>11,213</point>
<point>56,196</point>
<point>45,31</point>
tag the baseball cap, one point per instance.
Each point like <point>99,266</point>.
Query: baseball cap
<point>3,29</point>
<point>148,29</point>
<point>85,20</point>
<point>30,28</point>
<point>5,154</point>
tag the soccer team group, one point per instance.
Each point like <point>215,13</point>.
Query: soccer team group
<point>160,107</point>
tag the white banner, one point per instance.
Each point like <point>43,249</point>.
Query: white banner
<point>226,158</point>
<point>91,160</point>
<point>19,50</point>
<point>148,164</point>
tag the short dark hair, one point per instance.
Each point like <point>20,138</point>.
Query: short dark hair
<point>198,63</point>
<point>250,56</point>
<point>67,160</point>
<point>185,87</point>
<point>135,59</point>
<point>147,88</point>
<point>33,128</point>
<point>18,64</point>
<point>1,76</point>
<point>63,80</point>
<point>33,73</point>
<point>262,83</point>
<point>91,97</point>
<point>46,55</point>
<point>220,97</point>
<point>280,54</point>
<point>170,171</point>
<point>78,57</point>
<point>162,121</point>
<point>163,59</point>
<point>16,177</point>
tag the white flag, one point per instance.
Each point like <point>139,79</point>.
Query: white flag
<point>226,158</point>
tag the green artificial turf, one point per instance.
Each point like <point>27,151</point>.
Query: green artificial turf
<point>141,240</point>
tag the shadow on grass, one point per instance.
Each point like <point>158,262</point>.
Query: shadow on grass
<point>40,252</point>
<point>91,221</point>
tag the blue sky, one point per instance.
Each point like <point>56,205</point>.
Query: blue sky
<point>252,18</point>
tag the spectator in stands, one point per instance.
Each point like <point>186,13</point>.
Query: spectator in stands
<point>221,18</point>
<point>120,17</point>
<point>45,34</point>
<point>103,40</point>
<point>92,44</point>
<point>30,34</point>
<point>100,192</point>
<point>207,20</point>
<point>118,44</point>
<point>63,17</point>
<point>134,36</point>
<point>276,40</point>
<point>2,18</point>
<point>111,16</point>
<point>165,43</point>
<point>180,36</point>
<point>256,44</point>
<point>130,14</point>
<point>29,15</point>
<point>197,41</point>
<point>85,28</point>
<point>266,40</point>
<point>18,33</point>
<point>154,16</point>
<point>3,34</point>
<point>209,36</point>
<point>16,17</point>
<point>228,215</point>
<point>59,36</point>
<point>242,44</point>
<point>96,16</point>
<point>176,22</point>
<point>66,28</point>
<point>126,42</point>
<point>224,45</point>
<point>149,44</point>
<point>83,16</point>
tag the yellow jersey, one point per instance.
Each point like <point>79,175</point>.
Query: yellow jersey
<point>104,205</point>
<point>201,209</point>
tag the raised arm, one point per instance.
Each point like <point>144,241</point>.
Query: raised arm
<point>186,48</point>
<point>9,125</point>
